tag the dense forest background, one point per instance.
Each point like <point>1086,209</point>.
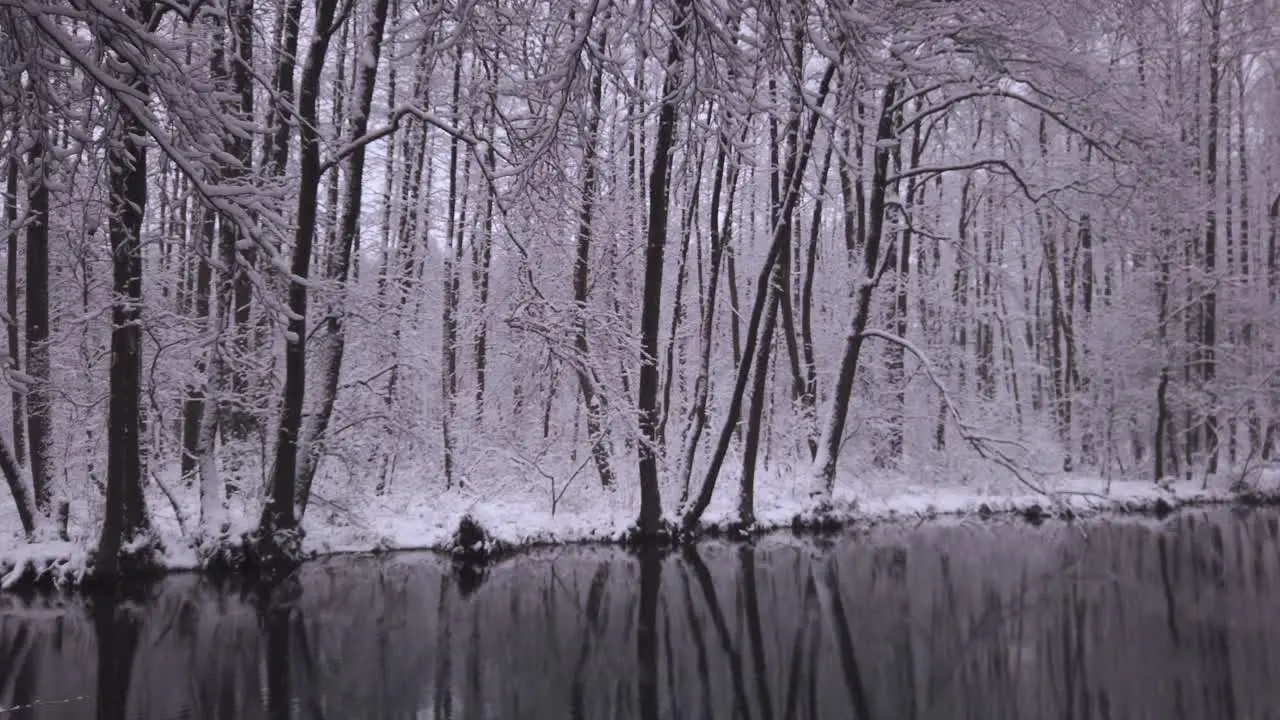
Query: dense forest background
<point>380,247</point>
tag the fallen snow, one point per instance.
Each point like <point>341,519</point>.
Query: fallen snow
<point>63,561</point>
<point>518,513</point>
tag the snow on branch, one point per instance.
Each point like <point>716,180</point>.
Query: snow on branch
<point>987,446</point>
<point>397,116</point>
<point>986,164</point>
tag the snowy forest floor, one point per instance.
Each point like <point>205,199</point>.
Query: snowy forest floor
<point>517,515</point>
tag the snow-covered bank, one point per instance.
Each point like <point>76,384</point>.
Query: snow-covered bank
<point>513,519</point>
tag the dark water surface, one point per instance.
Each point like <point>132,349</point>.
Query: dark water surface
<point>1124,619</point>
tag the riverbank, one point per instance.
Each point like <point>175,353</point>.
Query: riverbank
<point>477,526</point>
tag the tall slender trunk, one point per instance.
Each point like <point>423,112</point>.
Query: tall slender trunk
<point>650,518</point>
<point>125,513</point>
<point>213,517</point>
<point>278,514</point>
<point>1163,415</point>
<point>809,397</point>
<point>280,112</point>
<point>193,405</point>
<point>340,266</point>
<point>39,408</point>
<point>17,399</point>
<point>1209,332</point>
<point>901,306</point>
<point>796,165</point>
<point>449,309</point>
<point>759,378</point>
<point>673,364</point>
<point>833,434</point>
<point>1253,422</point>
<point>241,418</point>
<point>720,234</point>
<point>594,402</point>
<point>481,260</point>
<point>11,461</point>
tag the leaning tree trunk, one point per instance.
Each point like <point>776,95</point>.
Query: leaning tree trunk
<point>11,461</point>
<point>720,233</point>
<point>340,269</point>
<point>795,171</point>
<point>833,434</point>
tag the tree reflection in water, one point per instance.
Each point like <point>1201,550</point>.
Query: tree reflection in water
<point>1129,619</point>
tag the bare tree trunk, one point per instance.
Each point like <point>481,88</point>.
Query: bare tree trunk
<point>449,310</point>
<point>833,434</point>
<point>278,514</point>
<point>241,418</point>
<point>650,518</point>
<point>1163,415</point>
<point>594,402</point>
<point>678,307</point>
<point>901,307</point>
<point>22,499</point>
<point>17,399</point>
<point>481,259</point>
<point>760,373</point>
<point>720,234</point>
<point>796,165</point>
<point>11,461</point>
<point>1252,421</point>
<point>193,405</point>
<point>340,266</point>
<point>39,408</point>
<point>1208,366</point>
<point>809,397</point>
<point>280,118</point>
<point>125,513</point>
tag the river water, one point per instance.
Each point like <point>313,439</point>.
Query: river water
<point>1101,619</point>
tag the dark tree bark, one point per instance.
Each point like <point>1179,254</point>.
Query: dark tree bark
<point>39,409</point>
<point>678,306</point>
<point>833,434</point>
<point>481,260</point>
<point>901,306</point>
<point>1209,331</point>
<point>340,266</point>
<point>810,394</point>
<point>595,403</point>
<point>278,514</point>
<point>449,309</point>
<point>720,235</point>
<point>241,420</point>
<point>193,405</point>
<point>795,171</point>
<point>17,399</point>
<point>11,461</point>
<point>18,489</point>
<point>1163,415</point>
<point>650,518</point>
<point>275,154</point>
<point>125,514</point>
<point>759,379</point>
